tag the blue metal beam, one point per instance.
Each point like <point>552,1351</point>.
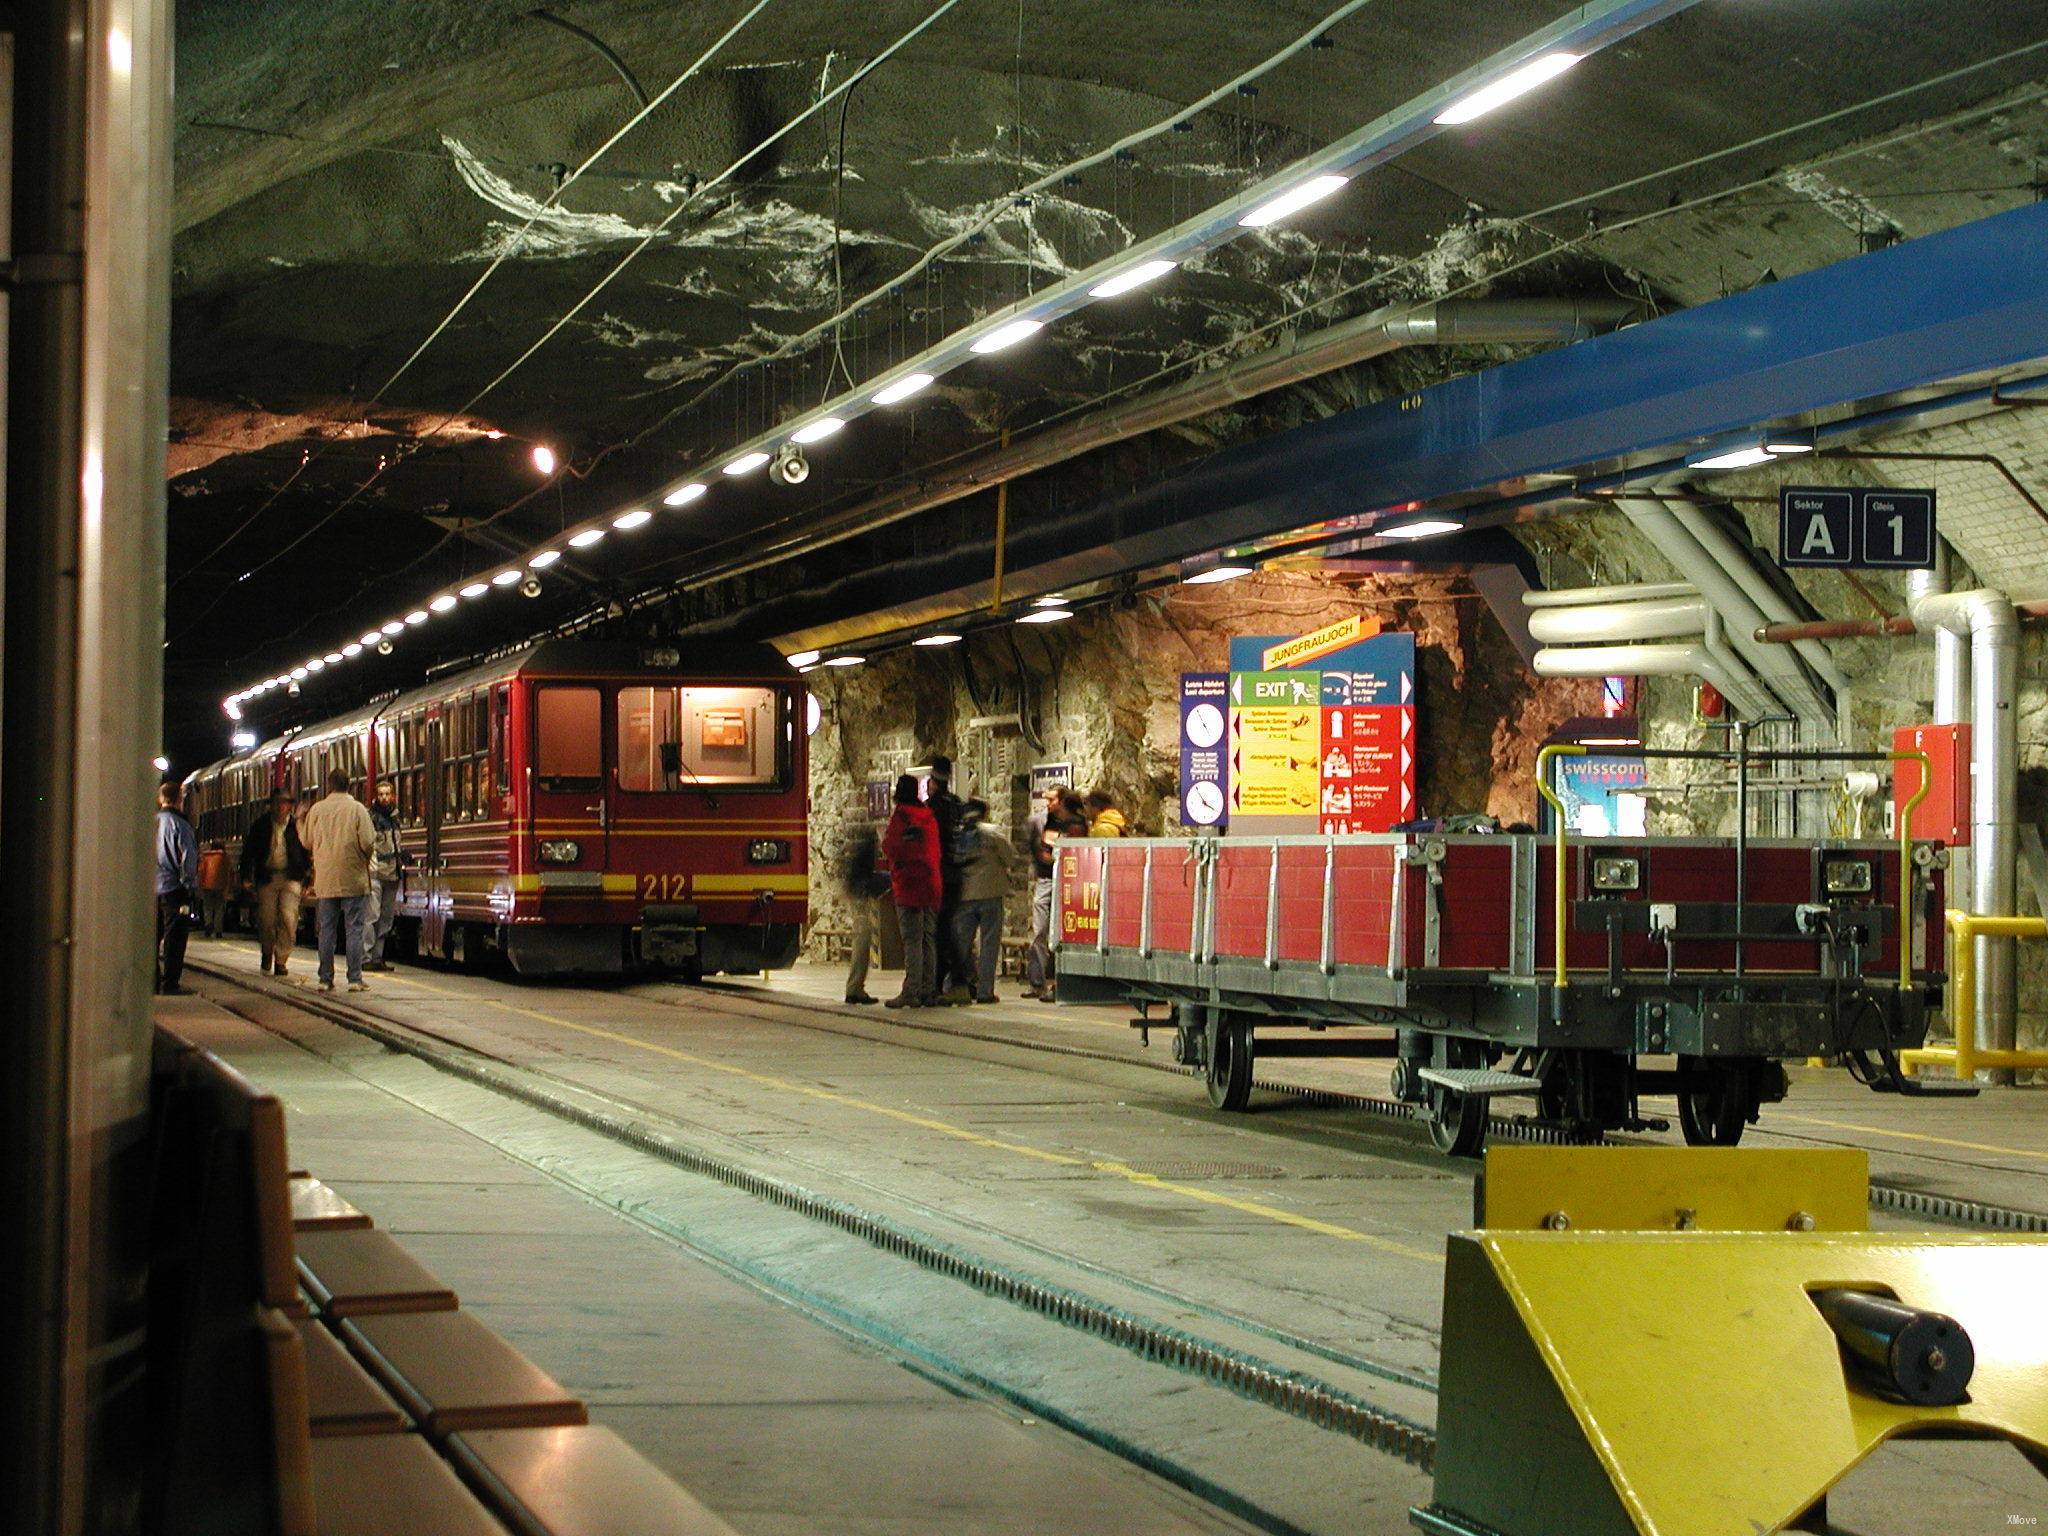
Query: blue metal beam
<point>1969,304</point>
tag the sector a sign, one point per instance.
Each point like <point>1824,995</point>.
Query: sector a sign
<point>1855,527</point>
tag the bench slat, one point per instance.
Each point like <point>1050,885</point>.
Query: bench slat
<point>342,1397</point>
<point>580,1481</point>
<point>451,1373</point>
<point>391,1485</point>
<point>317,1208</point>
<point>356,1273</point>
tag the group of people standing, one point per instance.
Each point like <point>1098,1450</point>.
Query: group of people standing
<point>949,875</point>
<point>345,854</point>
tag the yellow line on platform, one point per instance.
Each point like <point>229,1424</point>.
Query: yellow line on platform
<point>1937,1141</point>
<point>975,1138</point>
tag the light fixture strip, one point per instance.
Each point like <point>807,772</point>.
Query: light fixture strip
<point>1585,30</point>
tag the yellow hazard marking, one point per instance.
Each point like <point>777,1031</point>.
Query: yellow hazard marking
<point>1937,1141</point>
<point>974,1138</point>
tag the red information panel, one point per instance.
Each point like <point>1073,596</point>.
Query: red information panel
<point>1368,776</point>
<point>1080,895</point>
<point>1945,813</point>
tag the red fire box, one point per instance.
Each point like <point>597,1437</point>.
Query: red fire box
<point>1945,813</point>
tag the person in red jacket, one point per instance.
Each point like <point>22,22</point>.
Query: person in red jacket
<point>911,845</point>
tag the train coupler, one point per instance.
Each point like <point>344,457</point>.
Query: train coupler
<point>1696,1340</point>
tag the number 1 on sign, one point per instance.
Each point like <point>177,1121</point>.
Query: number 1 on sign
<point>1898,528</point>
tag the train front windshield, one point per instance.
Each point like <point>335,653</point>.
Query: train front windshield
<point>674,737</point>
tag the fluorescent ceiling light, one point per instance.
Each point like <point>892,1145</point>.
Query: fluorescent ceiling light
<point>1217,573</point>
<point>369,639</point>
<point>803,658</point>
<point>417,616</point>
<point>163,764</point>
<point>1050,600</point>
<point>1515,83</point>
<point>1422,528</point>
<point>586,538</point>
<point>1045,616</point>
<point>936,640</point>
<point>1007,335</point>
<point>352,649</point>
<point>683,495</point>
<point>316,664</point>
<point>332,658</point>
<point>502,579</point>
<point>627,521</point>
<point>544,559</point>
<point>746,463</point>
<point>1783,447</point>
<point>816,431</point>
<point>903,388</point>
<point>846,661</point>
<point>298,673</point>
<point>1293,200</point>
<point>1135,277</point>
<point>396,626</point>
<point>1734,458</point>
<point>443,603</point>
<point>476,589</point>
<point>544,458</point>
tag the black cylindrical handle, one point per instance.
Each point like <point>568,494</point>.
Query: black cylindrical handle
<point>1905,1352</point>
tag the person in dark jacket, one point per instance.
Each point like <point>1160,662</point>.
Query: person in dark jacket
<point>864,879</point>
<point>1062,819</point>
<point>177,885</point>
<point>985,860</point>
<point>951,983</point>
<point>911,845</point>
<point>275,868</point>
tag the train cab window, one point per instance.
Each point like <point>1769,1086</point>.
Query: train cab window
<point>568,741</point>
<point>676,738</point>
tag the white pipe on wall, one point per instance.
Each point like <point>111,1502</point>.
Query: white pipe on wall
<point>1666,660</point>
<point>1593,623</point>
<point>1577,597</point>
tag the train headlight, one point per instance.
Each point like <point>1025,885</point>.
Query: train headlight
<point>768,850</point>
<point>1847,877</point>
<point>561,850</point>
<point>1613,872</point>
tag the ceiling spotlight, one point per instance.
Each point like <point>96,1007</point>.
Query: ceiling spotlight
<point>395,627</point>
<point>298,673</point>
<point>683,495</point>
<point>1045,616</point>
<point>417,616</point>
<point>1421,528</point>
<point>802,658</point>
<point>494,434</point>
<point>747,463</point>
<point>476,589</point>
<point>1293,200</point>
<point>790,466</point>
<point>628,521</point>
<point>586,538</point>
<point>903,388</point>
<point>846,661</point>
<point>504,578</point>
<point>1504,90</point>
<point>530,587</point>
<point>444,602</point>
<point>1007,335</point>
<point>935,641</point>
<point>544,458</point>
<point>544,559</point>
<point>368,639</point>
<point>242,741</point>
<point>352,650</point>
<point>816,431</point>
<point>293,688</point>
<point>161,764</point>
<point>383,649</point>
<point>1217,573</point>
<point>1135,277</point>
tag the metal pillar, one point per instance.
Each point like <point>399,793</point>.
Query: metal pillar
<point>80,706</point>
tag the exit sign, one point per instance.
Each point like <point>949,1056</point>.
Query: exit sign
<point>1862,527</point>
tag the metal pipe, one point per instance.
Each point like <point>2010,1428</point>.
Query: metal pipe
<point>1993,627</point>
<point>1951,659</point>
<point>1575,597</point>
<point>1670,660</point>
<point>1596,623</point>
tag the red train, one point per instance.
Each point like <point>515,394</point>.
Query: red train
<point>577,806</point>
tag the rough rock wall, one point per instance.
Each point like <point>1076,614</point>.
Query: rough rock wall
<point>1101,693</point>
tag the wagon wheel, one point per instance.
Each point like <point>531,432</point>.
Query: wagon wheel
<point>1717,1101</point>
<point>1457,1122</point>
<point>1229,1075</point>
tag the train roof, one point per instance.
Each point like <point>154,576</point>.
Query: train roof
<point>544,658</point>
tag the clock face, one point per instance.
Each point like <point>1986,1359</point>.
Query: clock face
<point>1205,725</point>
<point>1205,803</point>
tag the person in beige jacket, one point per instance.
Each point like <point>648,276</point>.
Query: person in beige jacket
<point>341,837</point>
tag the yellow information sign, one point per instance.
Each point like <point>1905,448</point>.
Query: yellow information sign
<point>1276,743</point>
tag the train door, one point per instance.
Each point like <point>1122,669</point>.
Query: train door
<point>572,810</point>
<point>434,863</point>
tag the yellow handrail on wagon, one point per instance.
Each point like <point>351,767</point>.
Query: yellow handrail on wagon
<point>1546,755</point>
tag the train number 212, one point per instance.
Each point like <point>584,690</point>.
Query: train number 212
<point>664,887</point>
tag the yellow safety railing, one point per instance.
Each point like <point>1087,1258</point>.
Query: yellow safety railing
<point>1906,862</point>
<point>1965,928</point>
<point>1544,758</point>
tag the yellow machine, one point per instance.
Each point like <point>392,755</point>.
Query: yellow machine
<point>1667,1341</point>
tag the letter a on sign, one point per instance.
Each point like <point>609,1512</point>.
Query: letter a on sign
<point>1818,541</point>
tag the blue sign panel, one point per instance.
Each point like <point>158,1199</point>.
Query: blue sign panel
<point>1855,528</point>
<point>1204,718</point>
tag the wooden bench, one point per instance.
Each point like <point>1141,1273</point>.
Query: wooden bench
<point>360,1272</point>
<point>451,1373</point>
<point>577,1481</point>
<point>393,1485</point>
<point>316,1208</point>
<point>342,1397</point>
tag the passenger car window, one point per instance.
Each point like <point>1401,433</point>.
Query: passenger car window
<point>678,738</point>
<point>568,749</point>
